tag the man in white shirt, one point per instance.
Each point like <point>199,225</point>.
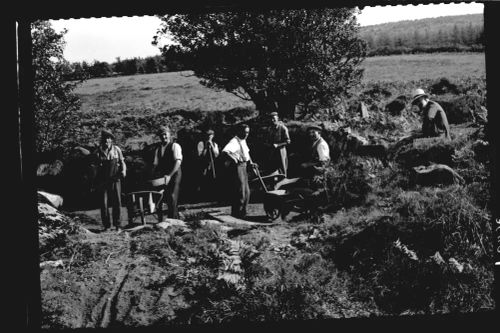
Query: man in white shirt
<point>238,154</point>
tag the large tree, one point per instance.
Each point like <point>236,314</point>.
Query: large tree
<point>54,101</point>
<point>278,59</point>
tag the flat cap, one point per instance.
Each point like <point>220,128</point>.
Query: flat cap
<point>315,128</point>
<point>107,134</point>
<point>162,129</point>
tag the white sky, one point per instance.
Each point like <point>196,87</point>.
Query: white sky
<point>105,39</point>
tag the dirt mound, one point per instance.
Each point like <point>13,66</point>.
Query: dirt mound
<point>463,108</point>
<point>397,106</point>
<point>53,228</point>
<point>444,86</point>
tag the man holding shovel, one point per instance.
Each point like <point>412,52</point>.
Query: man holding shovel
<point>277,141</point>
<point>208,151</point>
<point>111,167</point>
<point>166,163</point>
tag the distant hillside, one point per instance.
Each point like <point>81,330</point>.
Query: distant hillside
<point>446,33</point>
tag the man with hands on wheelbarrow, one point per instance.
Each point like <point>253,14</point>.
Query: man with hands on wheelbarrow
<point>166,163</point>
<point>238,156</point>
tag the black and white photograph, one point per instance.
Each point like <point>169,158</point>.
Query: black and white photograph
<point>234,165</point>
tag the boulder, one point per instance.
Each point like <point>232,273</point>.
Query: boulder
<point>435,174</point>
<point>360,141</point>
<point>363,110</point>
<point>49,169</point>
<point>53,227</point>
<point>82,151</point>
<point>481,150</point>
<point>167,223</point>
<point>54,200</point>
<point>481,115</point>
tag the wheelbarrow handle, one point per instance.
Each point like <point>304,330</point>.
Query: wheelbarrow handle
<point>257,172</point>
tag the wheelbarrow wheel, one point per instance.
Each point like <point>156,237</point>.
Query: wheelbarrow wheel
<point>272,208</point>
<point>273,213</point>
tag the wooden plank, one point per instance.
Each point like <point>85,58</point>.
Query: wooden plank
<point>199,205</point>
<point>228,219</point>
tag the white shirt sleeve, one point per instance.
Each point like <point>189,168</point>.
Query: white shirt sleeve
<point>201,148</point>
<point>177,151</point>
<point>323,151</point>
<point>232,147</point>
<point>216,149</point>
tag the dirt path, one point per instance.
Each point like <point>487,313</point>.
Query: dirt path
<point>112,278</point>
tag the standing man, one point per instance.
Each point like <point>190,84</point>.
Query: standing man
<point>319,153</point>
<point>208,151</point>
<point>166,162</point>
<point>238,155</point>
<point>278,140</point>
<point>435,122</point>
<point>111,167</point>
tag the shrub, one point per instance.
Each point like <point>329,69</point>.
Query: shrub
<point>345,183</point>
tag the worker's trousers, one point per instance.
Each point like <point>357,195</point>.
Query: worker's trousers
<point>241,191</point>
<point>111,196</point>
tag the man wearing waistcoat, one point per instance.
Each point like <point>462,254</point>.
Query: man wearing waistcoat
<point>111,167</point>
<point>278,140</point>
<point>166,162</point>
<point>238,154</point>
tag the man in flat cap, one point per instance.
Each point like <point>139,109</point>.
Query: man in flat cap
<point>435,122</point>
<point>208,151</point>
<point>277,141</point>
<point>319,153</point>
<point>166,162</point>
<point>238,154</point>
<point>111,167</point>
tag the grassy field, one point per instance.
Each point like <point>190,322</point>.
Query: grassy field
<point>424,66</point>
<point>153,93</point>
<point>156,93</point>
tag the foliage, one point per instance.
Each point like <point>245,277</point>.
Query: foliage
<point>278,59</point>
<point>54,100</point>
<point>346,182</point>
<point>448,34</point>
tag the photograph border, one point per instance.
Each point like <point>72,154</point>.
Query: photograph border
<point>21,198</point>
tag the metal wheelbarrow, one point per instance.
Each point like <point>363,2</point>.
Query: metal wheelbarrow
<point>280,200</point>
<point>146,202</point>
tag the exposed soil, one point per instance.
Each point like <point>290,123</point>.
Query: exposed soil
<point>109,279</point>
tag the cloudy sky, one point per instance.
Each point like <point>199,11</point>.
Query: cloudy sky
<point>105,39</point>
